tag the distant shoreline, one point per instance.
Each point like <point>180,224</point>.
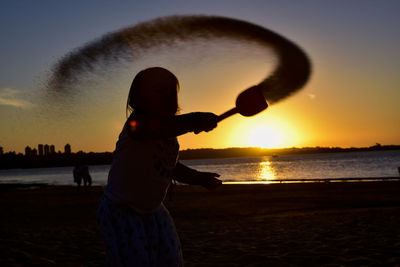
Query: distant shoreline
<point>12,160</point>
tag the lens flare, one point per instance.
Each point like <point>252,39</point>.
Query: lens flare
<point>133,125</point>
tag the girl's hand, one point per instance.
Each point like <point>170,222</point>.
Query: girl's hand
<point>209,180</point>
<point>205,121</point>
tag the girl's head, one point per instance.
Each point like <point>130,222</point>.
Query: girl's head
<point>154,91</point>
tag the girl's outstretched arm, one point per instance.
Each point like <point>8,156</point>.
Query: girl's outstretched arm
<point>184,174</point>
<point>144,127</point>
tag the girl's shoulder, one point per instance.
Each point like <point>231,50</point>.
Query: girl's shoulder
<point>141,126</point>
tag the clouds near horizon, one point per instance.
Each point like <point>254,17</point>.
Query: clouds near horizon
<point>12,98</point>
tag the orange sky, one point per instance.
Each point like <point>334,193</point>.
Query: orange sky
<point>351,99</point>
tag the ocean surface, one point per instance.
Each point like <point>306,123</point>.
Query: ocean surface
<point>373,164</point>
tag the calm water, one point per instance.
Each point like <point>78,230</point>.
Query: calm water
<point>374,164</point>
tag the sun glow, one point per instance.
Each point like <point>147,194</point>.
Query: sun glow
<point>266,137</point>
<point>266,132</point>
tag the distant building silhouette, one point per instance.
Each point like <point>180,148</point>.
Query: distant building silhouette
<point>40,149</point>
<point>46,150</point>
<point>34,152</point>
<point>52,149</point>
<point>28,151</point>
<point>1,150</point>
<point>67,149</point>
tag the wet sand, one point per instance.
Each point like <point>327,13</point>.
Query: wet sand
<point>308,224</point>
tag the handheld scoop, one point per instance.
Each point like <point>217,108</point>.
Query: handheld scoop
<point>248,103</point>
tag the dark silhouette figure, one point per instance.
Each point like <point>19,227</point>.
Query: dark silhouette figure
<point>77,177</point>
<point>81,172</point>
<point>87,179</point>
<point>137,228</point>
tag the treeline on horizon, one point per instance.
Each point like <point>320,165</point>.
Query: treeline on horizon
<point>12,160</point>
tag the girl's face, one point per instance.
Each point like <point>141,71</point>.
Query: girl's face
<point>158,100</point>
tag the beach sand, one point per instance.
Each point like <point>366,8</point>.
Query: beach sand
<point>304,224</point>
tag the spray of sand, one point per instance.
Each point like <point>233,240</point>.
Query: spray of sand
<point>291,73</point>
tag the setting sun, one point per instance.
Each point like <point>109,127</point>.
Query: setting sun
<point>265,131</point>
<point>266,137</point>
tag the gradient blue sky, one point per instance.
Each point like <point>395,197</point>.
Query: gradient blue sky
<point>351,100</point>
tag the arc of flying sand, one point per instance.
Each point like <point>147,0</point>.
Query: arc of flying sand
<point>291,73</point>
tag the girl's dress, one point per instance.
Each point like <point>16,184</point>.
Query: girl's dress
<point>137,228</point>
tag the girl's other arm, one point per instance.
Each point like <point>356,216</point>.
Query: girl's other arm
<point>184,174</point>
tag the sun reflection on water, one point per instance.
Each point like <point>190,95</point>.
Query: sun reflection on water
<point>265,171</point>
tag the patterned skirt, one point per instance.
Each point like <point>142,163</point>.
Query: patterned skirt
<point>134,239</point>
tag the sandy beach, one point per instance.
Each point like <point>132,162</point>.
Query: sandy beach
<point>304,224</point>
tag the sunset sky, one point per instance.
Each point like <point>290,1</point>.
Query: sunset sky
<point>352,98</point>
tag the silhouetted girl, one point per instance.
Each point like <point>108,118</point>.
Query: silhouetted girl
<point>137,228</point>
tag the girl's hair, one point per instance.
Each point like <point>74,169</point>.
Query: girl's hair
<point>155,76</point>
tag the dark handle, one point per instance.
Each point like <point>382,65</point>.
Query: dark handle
<point>227,114</point>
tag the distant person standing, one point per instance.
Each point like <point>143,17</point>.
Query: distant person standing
<point>81,172</point>
<point>77,176</point>
<point>87,179</point>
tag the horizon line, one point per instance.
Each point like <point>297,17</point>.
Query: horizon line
<point>377,145</point>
